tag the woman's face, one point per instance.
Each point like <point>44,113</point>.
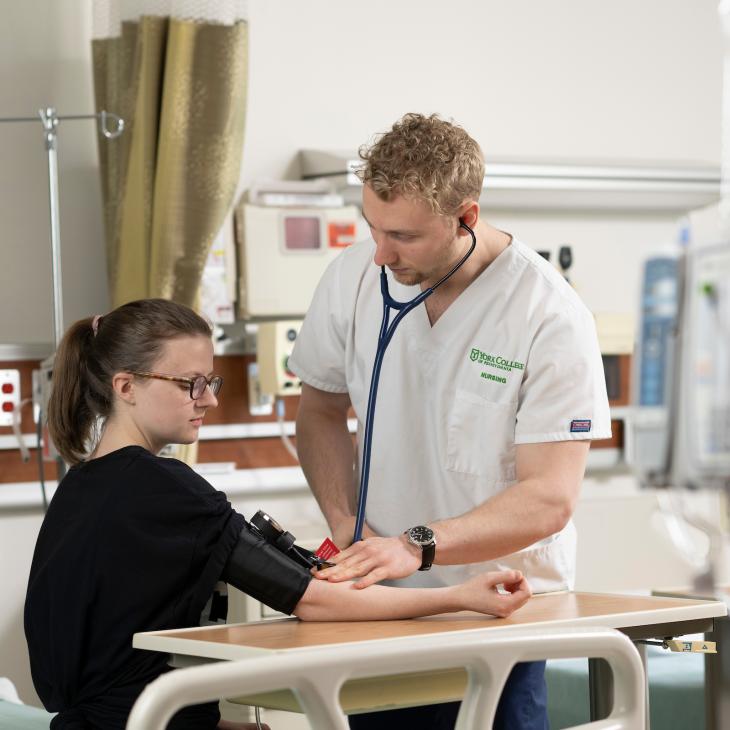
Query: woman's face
<point>164,412</point>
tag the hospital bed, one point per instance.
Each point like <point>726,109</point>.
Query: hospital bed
<point>316,676</point>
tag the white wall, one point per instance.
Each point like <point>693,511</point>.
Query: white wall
<point>45,60</point>
<point>580,79</point>
<point>18,533</point>
<point>574,79</point>
<point>559,78</point>
<point>608,250</point>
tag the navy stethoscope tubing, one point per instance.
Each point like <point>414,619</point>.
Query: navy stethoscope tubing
<point>384,338</point>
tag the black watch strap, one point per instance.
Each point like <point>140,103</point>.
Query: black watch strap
<point>422,536</point>
<point>427,556</point>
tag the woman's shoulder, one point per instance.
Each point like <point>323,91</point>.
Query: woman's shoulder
<point>176,472</point>
<point>136,468</point>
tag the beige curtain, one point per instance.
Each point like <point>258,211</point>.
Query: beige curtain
<point>169,180</point>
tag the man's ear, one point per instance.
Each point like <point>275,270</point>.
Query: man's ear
<point>123,387</point>
<point>469,214</point>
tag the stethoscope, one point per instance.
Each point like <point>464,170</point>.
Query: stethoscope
<point>384,338</point>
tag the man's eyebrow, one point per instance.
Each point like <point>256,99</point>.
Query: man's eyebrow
<point>402,231</point>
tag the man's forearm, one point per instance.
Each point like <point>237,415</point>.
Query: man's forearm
<point>538,505</point>
<point>326,453</point>
<point>504,524</point>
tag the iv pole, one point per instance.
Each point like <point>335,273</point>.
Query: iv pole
<point>50,119</point>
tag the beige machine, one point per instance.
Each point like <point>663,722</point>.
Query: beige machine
<point>274,347</point>
<point>283,252</point>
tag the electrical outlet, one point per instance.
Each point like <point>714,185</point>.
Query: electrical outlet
<point>259,404</point>
<point>9,395</point>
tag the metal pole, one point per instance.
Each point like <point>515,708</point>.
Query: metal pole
<point>724,12</point>
<point>50,119</point>
<point>50,128</point>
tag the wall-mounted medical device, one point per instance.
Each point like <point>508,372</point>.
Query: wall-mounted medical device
<point>654,370</point>
<point>283,252</point>
<point>274,346</point>
<point>681,416</point>
<point>701,445</point>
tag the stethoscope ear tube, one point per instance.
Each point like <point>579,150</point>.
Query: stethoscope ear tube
<point>384,338</point>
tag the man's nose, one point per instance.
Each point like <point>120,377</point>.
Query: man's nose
<point>384,252</point>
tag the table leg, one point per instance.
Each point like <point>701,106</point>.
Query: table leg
<point>717,678</point>
<point>600,688</point>
<point>642,649</point>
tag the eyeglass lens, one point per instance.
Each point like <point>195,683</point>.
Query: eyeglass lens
<point>200,383</point>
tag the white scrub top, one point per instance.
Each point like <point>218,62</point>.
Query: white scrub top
<point>513,360</point>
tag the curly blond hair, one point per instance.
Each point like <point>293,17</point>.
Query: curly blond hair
<point>425,158</point>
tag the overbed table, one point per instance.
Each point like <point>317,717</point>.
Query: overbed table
<point>639,617</point>
<point>717,666</point>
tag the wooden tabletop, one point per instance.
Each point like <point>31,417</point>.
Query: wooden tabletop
<point>718,593</point>
<point>237,641</point>
<point>637,616</point>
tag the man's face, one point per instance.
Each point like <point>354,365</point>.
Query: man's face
<point>413,242</point>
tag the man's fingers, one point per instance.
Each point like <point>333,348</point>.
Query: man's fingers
<point>374,576</point>
<point>346,571</point>
<point>341,562</point>
<point>347,553</point>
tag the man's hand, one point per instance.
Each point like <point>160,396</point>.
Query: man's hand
<point>345,529</point>
<point>372,560</point>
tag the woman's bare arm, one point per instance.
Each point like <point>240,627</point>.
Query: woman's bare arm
<point>325,601</point>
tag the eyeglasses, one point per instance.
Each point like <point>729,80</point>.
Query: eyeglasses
<point>197,385</point>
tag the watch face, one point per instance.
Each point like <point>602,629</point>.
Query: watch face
<point>420,535</point>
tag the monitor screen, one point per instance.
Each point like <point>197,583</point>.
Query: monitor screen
<point>302,233</point>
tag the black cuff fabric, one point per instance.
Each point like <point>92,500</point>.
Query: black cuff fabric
<point>265,573</point>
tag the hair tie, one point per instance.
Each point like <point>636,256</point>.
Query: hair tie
<point>95,323</point>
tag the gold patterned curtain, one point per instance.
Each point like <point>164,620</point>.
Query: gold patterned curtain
<point>169,180</point>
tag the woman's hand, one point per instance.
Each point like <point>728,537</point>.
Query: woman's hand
<point>480,593</point>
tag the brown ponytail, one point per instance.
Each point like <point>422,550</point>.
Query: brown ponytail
<point>129,338</point>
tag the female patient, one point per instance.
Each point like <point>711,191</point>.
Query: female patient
<point>135,542</point>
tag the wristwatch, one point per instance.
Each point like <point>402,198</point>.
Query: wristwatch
<point>423,537</point>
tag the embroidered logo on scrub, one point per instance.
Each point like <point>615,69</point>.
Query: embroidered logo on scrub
<point>496,362</point>
<point>581,425</point>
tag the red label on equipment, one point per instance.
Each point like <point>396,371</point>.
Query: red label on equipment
<point>341,235</point>
<point>327,549</point>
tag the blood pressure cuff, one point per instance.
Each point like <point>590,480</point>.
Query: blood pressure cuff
<point>258,568</point>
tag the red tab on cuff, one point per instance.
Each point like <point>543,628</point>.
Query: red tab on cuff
<point>327,549</point>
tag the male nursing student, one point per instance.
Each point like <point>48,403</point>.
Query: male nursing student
<point>489,396</point>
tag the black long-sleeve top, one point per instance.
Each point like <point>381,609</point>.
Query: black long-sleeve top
<point>131,542</point>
